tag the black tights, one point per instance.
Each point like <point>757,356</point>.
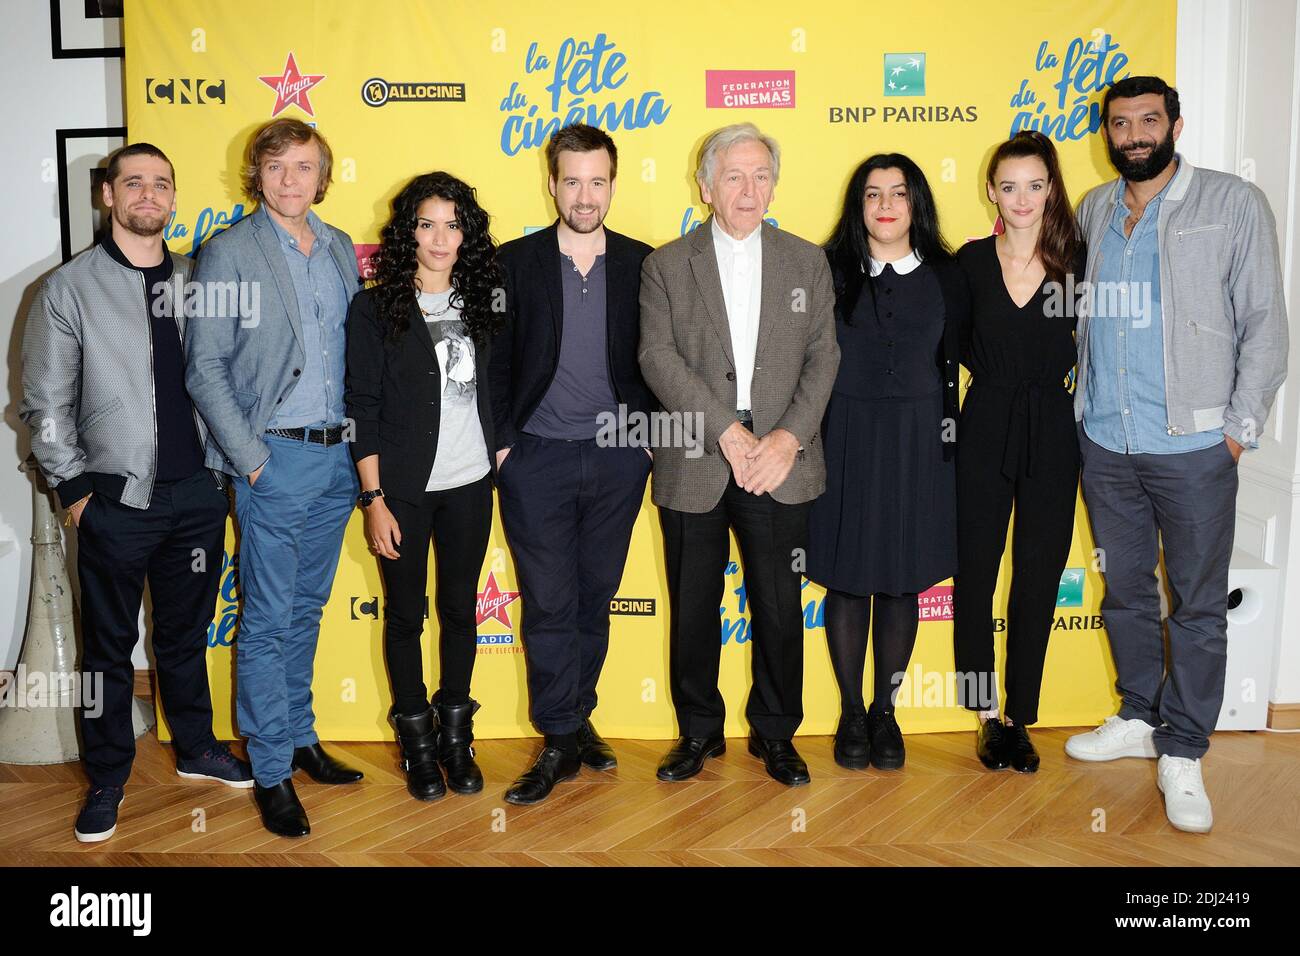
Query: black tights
<point>893,637</point>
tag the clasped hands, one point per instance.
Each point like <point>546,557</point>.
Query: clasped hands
<point>760,465</point>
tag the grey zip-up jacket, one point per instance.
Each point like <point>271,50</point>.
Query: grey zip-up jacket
<point>88,389</point>
<point>1222,310</point>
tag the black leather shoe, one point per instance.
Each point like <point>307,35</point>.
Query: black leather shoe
<point>536,783</point>
<point>852,742</point>
<point>991,744</point>
<point>592,750</point>
<point>783,763</point>
<point>417,737</point>
<point>323,768</point>
<point>456,722</point>
<point>282,814</point>
<point>1020,749</point>
<point>887,751</point>
<point>687,757</point>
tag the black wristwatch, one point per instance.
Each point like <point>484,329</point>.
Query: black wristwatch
<point>366,497</point>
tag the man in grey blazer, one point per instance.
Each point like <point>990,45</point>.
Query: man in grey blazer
<point>738,336</point>
<point>270,386</point>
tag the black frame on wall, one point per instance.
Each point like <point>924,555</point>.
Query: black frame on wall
<point>94,10</point>
<point>61,137</point>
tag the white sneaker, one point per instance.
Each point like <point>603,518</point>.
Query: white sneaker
<point>1186,803</point>
<point>1115,738</point>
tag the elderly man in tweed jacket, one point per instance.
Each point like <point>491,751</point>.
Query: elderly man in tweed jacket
<point>738,336</point>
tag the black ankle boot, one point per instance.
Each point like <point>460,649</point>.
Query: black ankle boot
<point>454,751</point>
<point>417,736</point>
<point>853,741</point>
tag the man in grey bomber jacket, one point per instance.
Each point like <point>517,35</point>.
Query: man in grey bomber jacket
<point>1181,351</point>
<point>117,437</point>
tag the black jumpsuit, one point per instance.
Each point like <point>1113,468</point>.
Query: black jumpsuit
<point>1016,442</point>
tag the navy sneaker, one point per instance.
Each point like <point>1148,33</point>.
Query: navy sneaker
<point>219,764</point>
<point>98,818</point>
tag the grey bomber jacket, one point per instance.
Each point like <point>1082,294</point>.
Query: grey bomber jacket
<point>88,390</point>
<point>1223,313</point>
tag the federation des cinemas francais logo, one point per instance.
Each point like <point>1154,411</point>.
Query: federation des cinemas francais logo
<point>749,89</point>
<point>377,92</point>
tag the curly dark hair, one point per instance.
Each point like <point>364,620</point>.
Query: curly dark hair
<point>474,278</point>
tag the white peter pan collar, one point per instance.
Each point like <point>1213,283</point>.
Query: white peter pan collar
<point>902,266</point>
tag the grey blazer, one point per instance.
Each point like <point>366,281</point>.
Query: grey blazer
<point>686,358</point>
<point>88,391</point>
<point>237,371</point>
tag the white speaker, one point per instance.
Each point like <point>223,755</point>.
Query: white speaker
<point>1254,592</point>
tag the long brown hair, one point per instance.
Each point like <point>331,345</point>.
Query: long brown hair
<point>1059,238</point>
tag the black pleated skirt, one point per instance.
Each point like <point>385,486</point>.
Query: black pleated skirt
<point>887,522</point>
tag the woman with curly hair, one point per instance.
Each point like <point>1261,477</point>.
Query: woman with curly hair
<point>417,343</point>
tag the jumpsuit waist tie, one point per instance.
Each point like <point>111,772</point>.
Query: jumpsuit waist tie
<point>1023,422</point>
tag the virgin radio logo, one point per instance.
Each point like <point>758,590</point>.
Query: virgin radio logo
<point>494,603</point>
<point>292,87</point>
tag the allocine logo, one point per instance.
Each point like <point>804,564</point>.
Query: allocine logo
<point>75,908</point>
<point>178,91</point>
<point>638,606</point>
<point>377,91</point>
<point>749,89</point>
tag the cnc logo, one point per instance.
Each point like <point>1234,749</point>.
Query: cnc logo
<point>362,606</point>
<point>291,87</point>
<point>177,91</point>
<point>377,92</point>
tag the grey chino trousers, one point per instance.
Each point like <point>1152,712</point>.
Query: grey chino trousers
<point>1185,503</point>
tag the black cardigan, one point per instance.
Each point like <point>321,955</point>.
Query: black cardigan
<point>526,352</point>
<point>851,284</point>
<point>393,394</point>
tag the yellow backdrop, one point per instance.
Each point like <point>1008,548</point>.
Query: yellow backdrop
<point>401,88</point>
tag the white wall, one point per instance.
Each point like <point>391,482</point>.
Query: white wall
<point>1238,74</point>
<point>1239,79</point>
<point>41,94</point>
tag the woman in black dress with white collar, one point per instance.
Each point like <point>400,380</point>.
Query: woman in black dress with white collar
<point>886,527</point>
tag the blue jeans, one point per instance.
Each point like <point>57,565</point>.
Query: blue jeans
<point>291,526</point>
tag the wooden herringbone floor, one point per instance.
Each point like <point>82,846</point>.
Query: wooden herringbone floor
<point>944,809</point>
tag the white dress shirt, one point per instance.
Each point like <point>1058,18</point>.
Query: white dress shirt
<point>902,266</point>
<point>740,267</point>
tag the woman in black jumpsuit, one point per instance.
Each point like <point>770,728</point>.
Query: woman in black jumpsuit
<point>1017,441</point>
<point>886,527</point>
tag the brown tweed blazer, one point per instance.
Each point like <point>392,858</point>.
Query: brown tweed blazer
<point>686,358</point>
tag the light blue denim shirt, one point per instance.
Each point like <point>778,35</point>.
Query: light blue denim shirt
<point>322,297</point>
<point>1124,402</point>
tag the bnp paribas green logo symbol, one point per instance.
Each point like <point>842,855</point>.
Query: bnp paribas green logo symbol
<point>905,74</point>
<point>1070,592</point>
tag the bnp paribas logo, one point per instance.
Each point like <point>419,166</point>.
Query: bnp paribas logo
<point>905,74</point>
<point>1070,591</point>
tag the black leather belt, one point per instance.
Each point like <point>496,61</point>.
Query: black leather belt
<point>329,435</point>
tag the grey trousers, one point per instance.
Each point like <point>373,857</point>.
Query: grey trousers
<point>1189,500</point>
